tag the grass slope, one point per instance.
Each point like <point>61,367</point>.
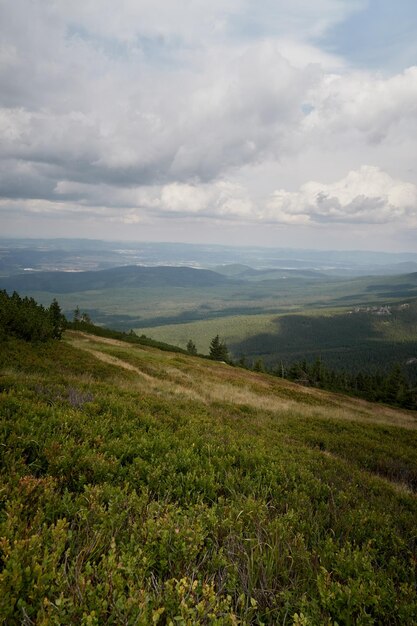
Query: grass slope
<point>147,487</point>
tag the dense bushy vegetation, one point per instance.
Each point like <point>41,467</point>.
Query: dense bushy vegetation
<point>147,487</point>
<point>25,319</point>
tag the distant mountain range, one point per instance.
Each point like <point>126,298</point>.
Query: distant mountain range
<point>132,276</point>
<point>43,255</point>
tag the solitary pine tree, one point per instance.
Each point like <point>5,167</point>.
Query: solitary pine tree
<point>218,350</point>
<point>191,347</point>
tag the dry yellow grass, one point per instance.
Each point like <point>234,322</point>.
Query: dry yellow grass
<point>208,382</point>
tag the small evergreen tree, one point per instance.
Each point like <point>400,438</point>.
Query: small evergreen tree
<point>57,319</point>
<point>218,350</point>
<point>191,347</point>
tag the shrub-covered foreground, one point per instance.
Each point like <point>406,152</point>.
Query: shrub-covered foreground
<point>142,487</point>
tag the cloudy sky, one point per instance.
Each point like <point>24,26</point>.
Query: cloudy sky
<point>275,122</point>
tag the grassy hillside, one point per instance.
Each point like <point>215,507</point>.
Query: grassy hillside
<point>147,487</point>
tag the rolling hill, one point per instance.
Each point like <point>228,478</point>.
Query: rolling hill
<point>133,276</point>
<point>149,487</point>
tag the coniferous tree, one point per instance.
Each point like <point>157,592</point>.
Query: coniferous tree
<point>24,318</point>
<point>242,362</point>
<point>57,319</point>
<point>191,347</point>
<point>218,350</point>
<point>77,314</point>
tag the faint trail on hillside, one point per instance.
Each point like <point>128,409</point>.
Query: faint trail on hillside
<point>154,383</point>
<point>96,339</point>
<point>209,382</point>
<point>113,360</point>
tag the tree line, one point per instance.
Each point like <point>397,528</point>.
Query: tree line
<point>24,318</point>
<point>392,387</point>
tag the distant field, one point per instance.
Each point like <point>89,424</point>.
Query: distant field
<point>231,329</point>
<point>360,340</point>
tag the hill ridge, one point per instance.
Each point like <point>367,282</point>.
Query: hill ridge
<point>124,276</point>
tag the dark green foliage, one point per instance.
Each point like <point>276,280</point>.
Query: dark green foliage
<point>218,350</point>
<point>392,388</point>
<point>57,319</point>
<point>77,314</point>
<point>356,341</point>
<point>259,366</point>
<point>81,317</point>
<point>25,319</point>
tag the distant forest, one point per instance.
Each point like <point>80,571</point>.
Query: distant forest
<point>393,387</point>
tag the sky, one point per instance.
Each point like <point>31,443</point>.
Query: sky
<point>276,123</point>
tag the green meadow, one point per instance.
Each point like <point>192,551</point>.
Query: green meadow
<point>232,328</point>
<point>148,487</point>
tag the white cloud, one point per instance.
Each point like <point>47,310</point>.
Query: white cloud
<point>369,104</point>
<point>180,126</point>
<point>175,109</point>
<point>364,196</point>
<point>218,199</point>
<point>367,196</point>
<point>222,198</point>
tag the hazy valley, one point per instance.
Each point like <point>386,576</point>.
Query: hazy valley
<point>278,314</point>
